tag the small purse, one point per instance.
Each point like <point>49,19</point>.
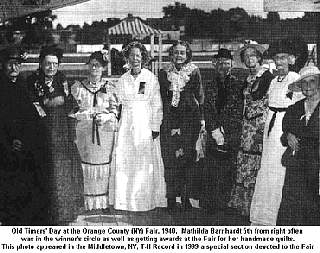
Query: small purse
<point>217,152</point>
<point>288,158</point>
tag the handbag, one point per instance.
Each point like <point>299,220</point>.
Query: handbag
<point>288,158</point>
<point>217,152</point>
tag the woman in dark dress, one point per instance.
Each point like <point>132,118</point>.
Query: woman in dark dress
<point>50,92</point>
<point>182,96</point>
<point>223,110</point>
<point>300,194</point>
<point>22,192</point>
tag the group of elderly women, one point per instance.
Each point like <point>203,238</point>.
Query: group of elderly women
<point>277,180</point>
<point>132,145</point>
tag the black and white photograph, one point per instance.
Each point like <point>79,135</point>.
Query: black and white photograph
<point>292,5</point>
<point>159,113</point>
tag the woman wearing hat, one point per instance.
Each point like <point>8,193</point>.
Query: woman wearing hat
<point>255,112</point>
<point>96,124</point>
<point>50,92</point>
<point>300,203</point>
<point>182,95</point>
<point>268,189</point>
<point>223,109</point>
<point>22,200</point>
<point>138,180</point>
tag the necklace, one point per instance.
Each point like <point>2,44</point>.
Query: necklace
<point>135,73</point>
<point>281,78</point>
<point>309,107</point>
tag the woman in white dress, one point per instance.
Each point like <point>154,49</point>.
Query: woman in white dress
<point>95,130</point>
<point>268,189</point>
<point>139,173</point>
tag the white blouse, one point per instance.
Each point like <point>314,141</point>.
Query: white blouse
<point>277,94</point>
<point>144,92</point>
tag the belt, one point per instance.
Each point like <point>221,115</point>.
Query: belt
<point>273,119</point>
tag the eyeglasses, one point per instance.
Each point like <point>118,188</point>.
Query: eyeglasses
<point>95,65</point>
<point>53,64</point>
<point>249,55</point>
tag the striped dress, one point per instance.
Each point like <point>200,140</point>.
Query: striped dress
<point>95,143</point>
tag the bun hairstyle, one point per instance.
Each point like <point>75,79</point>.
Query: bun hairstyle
<point>100,56</point>
<point>51,50</point>
<point>182,43</point>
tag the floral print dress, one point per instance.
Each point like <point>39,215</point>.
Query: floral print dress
<point>249,155</point>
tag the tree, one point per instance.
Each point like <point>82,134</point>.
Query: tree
<point>273,17</point>
<point>178,11</point>
<point>36,2</point>
<point>239,21</point>
<point>96,32</point>
<point>38,26</point>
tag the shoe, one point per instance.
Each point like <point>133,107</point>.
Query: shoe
<point>187,205</point>
<point>171,205</point>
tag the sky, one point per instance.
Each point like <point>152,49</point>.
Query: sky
<point>103,9</point>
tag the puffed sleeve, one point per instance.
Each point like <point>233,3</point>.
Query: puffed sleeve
<point>163,81</point>
<point>113,103</point>
<point>119,89</point>
<point>109,109</point>
<point>119,95</point>
<point>80,111</point>
<point>210,110</point>
<point>156,106</point>
<point>199,91</point>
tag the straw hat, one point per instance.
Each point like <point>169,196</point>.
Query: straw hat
<point>304,73</point>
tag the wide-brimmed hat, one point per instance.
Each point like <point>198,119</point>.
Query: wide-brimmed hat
<point>223,53</point>
<point>237,54</point>
<point>304,73</point>
<point>12,53</point>
<point>293,45</point>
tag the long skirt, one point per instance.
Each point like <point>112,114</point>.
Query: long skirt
<point>96,186</point>
<point>65,177</point>
<point>138,177</point>
<point>268,189</point>
<point>300,205</point>
<point>96,161</point>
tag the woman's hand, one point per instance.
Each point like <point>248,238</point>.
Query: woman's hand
<point>102,118</point>
<point>203,126</point>
<point>53,102</point>
<point>218,136</point>
<point>293,141</point>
